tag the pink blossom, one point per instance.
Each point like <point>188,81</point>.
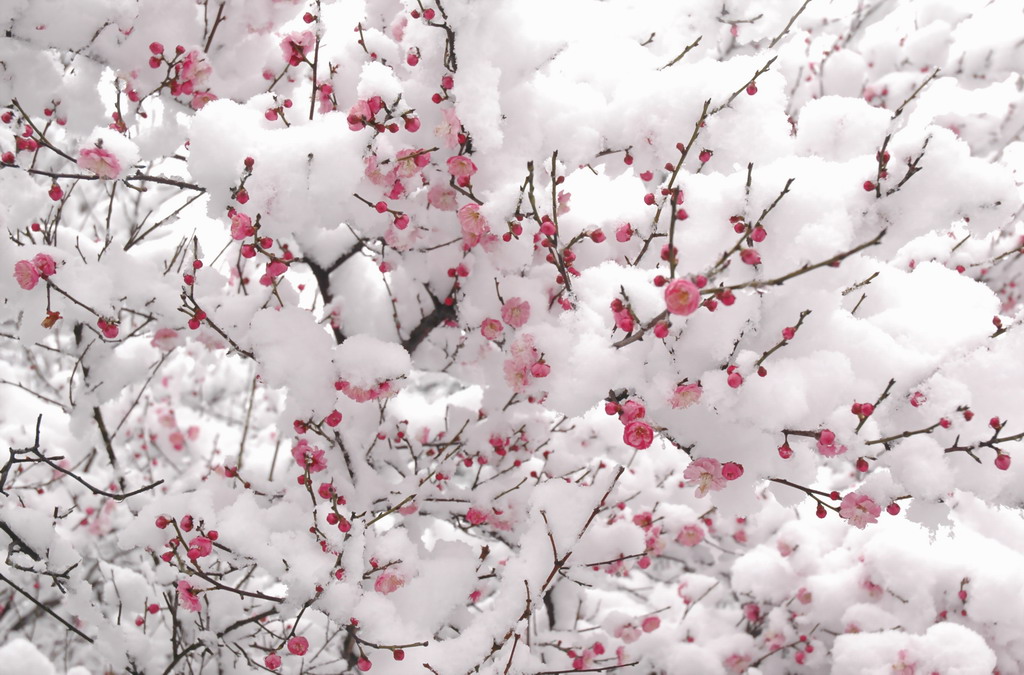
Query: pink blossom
<point>241,226</point>
<point>193,71</point>
<point>650,624</point>
<point>187,597</point>
<point>442,198</point>
<point>859,510</point>
<point>563,202</point>
<point>631,410</point>
<point>682,297</point>
<point>449,129</point>
<point>26,274</point>
<point>358,115</point>
<point>638,434</point>
<point>475,229</point>
<point>272,661</point>
<point>295,45</point>
<point>298,645</point>
<point>476,516</point>
<point>517,368</point>
<point>706,474</point>
<point>690,535</point>
<point>101,162</point>
<point>750,256</point>
<point>200,99</point>
<point>737,663</point>
<point>44,264</point>
<point>515,312</point>
<point>491,329</point>
<point>624,320</point>
<point>308,456</point>
<point>827,446</point>
<point>732,470</point>
<point>624,233</point>
<point>628,633</point>
<point>411,162</point>
<point>461,166</point>
<point>200,547</point>
<point>165,339</point>
<point>685,395</point>
<point>388,582</point>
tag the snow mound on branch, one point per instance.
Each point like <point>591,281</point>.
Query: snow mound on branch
<point>20,657</point>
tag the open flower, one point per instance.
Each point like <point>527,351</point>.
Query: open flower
<point>308,456</point>
<point>685,395</point>
<point>26,274</point>
<point>682,297</point>
<point>187,597</point>
<point>388,582</point>
<point>638,434</point>
<point>515,312</point>
<point>706,474</point>
<point>101,162</point>
<point>859,510</point>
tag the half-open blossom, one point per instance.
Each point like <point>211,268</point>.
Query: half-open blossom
<point>388,582</point>
<point>309,456</point>
<point>100,161</point>
<point>476,516</point>
<point>461,166</point>
<point>638,434</point>
<point>200,547</point>
<point>859,510</point>
<point>690,535</point>
<point>298,645</point>
<point>26,274</point>
<point>449,129</point>
<point>187,597</point>
<point>631,410</point>
<point>295,45</point>
<point>515,312</point>
<point>682,297</point>
<point>193,71</point>
<point>44,264</point>
<point>358,115</point>
<point>706,474</point>
<point>272,661</point>
<point>241,226</point>
<point>474,226</point>
<point>685,395</point>
<point>827,445</point>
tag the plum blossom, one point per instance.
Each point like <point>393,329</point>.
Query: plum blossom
<point>631,410</point>
<point>638,434</point>
<point>308,456</point>
<point>690,535</point>
<point>388,582</point>
<point>461,166</point>
<point>449,129</point>
<point>827,446</point>
<point>359,115</point>
<point>442,198</point>
<point>100,161</point>
<point>706,474</point>
<point>26,274</point>
<point>200,547</point>
<point>187,597</point>
<point>298,645</point>
<point>296,45</point>
<point>518,367</point>
<point>192,72</point>
<point>685,395</point>
<point>515,312</point>
<point>475,229</point>
<point>241,226</point>
<point>491,328</point>
<point>682,297</point>
<point>859,510</point>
